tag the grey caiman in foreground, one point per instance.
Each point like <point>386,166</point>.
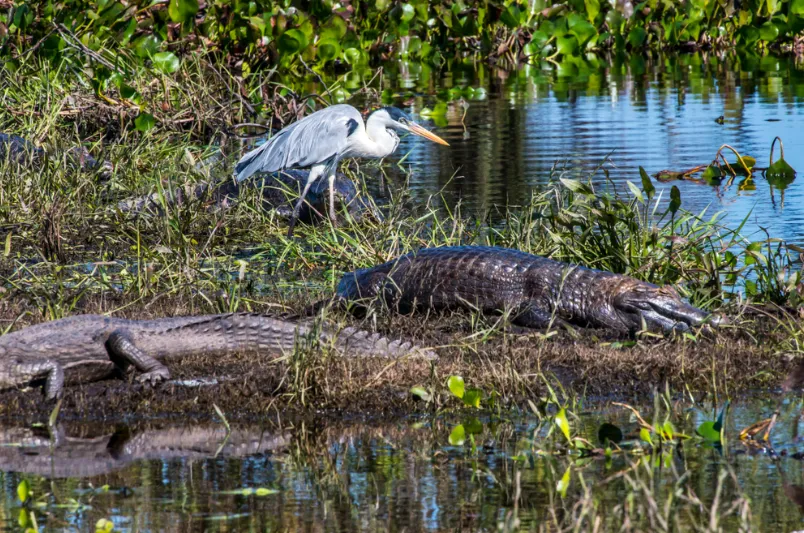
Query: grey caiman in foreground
<point>535,289</point>
<point>86,348</point>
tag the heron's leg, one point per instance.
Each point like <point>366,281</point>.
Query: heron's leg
<point>315,172</point>
<point>332,216</point>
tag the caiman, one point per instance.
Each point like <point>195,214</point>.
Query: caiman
<point>278,191</point>
<point>86,348</point>
<point>537,291</point>
<point>70,452</point>
<point>24,153</point>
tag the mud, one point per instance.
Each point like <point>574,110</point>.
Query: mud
<point>516,366</point>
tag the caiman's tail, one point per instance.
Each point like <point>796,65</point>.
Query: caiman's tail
<point>357,342</point>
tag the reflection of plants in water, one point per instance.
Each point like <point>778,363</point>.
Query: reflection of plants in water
<point>27,518</point>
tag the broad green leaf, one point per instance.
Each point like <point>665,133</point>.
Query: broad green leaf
<point>707,430</point>
<point>181,10</point>
<point>292,42</point>
<point>510,17</point>
<point>421,393</point>
<point>458,436</point>
<point>609,432</point>
<point>577,186</point>
<point>563,423</point>
<point>408,12</point>
<point>146,46</point>
<point>328,50</point>
<point>780,174</point>
<point>166,62</point>
<point>637,36</point>
<point>472,398</point>
<point>675,199</point>
<point>23,490</point>
<point>644,435</point>
<point>144,122</point>
<point>592,9</point>
<point>104,525</point>
<point>647,184</point>
<point>473,426</point>
<point>636,192</point>
<point>456,386</point>
<point>797,7</point>
<point>567,45</point>
<point>768,31</point>
<point>351,55</point>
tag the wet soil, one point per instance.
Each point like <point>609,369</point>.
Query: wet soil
<point>516,366</point>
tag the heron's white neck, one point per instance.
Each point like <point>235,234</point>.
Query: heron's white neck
<point>383,141</point>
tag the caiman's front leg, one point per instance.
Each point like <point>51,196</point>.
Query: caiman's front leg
<point>122,347</point>
<point>22,373</point>
<point>536,318</point>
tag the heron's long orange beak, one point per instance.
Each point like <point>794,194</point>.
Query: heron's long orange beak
<point>415,129</point>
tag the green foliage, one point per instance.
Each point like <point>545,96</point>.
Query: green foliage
<point>264,33</point>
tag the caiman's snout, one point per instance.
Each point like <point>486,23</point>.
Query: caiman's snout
<point>661,308</point>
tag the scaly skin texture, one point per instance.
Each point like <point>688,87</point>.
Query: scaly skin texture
<point>279,191</point>
<point>535,289</point>
<point>86,348</point>
<point>22,152</point>
<point>32,451</point>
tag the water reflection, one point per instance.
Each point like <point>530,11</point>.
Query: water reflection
<point>353,476</point>
<point>659,113</point>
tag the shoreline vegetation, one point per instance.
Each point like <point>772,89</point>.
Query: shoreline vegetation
<point>157,89</point>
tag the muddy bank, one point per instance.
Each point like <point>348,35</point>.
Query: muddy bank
<point>515,366</point>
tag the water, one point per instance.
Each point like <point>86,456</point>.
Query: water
<point>658,113</point>
<point>405,475</point>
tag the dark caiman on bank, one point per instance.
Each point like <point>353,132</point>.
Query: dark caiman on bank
<point>22,152</point>
<point>86,348</point>
<point>277,191</point>
<point>536,290</point>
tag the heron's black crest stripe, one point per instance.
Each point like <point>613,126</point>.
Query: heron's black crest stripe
<point>351,126</point>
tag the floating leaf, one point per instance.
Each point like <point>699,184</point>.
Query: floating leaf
<point>609,433</point>
<point>456,386</point>
<point>471,397</point>
<point>458,436</point>
<point>248,491</point>
<point>327,50</point>
<point>707,430</point>
<point>166,62</point>
<point>780,174</point>
<point>421,393</point>
<point>104,525</point>
<point>563,423</point>
<point>473,426</point>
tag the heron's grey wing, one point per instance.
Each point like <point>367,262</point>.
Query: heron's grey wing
<point>315,139</point>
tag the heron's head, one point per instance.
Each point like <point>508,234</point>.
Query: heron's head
<point>396,119</point>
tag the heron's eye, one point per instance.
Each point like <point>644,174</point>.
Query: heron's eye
<point>402,120</point>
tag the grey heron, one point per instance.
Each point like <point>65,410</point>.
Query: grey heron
<point>320,140</point>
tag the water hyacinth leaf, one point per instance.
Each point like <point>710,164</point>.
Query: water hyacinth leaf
<point>473,426</point>
<point>351,55</point>
<point>472,398</point>
<point>564,482</point>
<point>23,490</point>
<point>563,423</point>
<point>592,9</point>
<point>408,12</point>
<point>456,386</point>
<point>458,436</point>
<point>327,50</point>
<point>609,433</point>
<point>421,393</point>
<point>675,199</point>
<point>566,45</point>
<point>712,174</point>
<point>166,62</point>
<point>797,8</point>
<point>769,32</point>
<point>292,42</point>
<point>707,430</point>
<point>637,36</point>
<point>181,10</point>
<point>144,122</point>
<point>510,17</point>
<point>647,184</point>
<point>146,46</point>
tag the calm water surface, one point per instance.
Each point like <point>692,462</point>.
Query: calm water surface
<point>657,113</point>
<point>404,476</point>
